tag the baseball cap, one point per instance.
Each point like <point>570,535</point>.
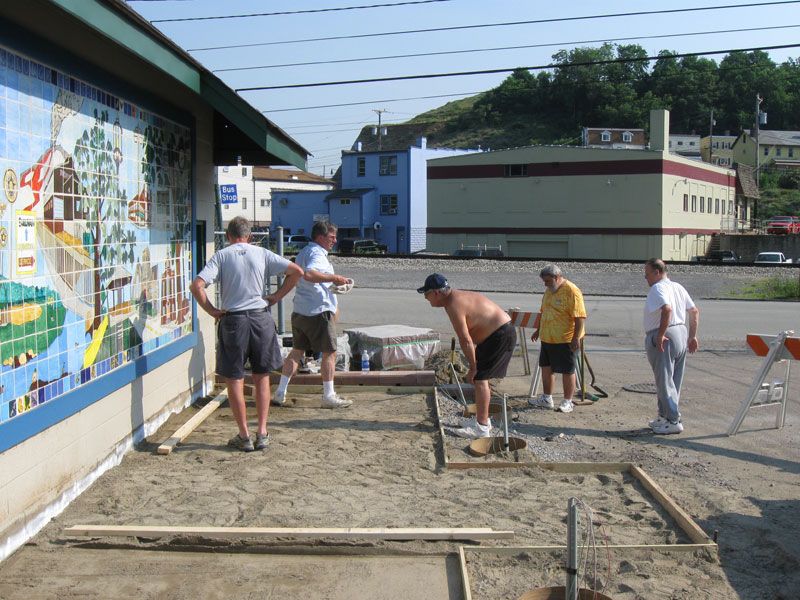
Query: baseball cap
<point>434,281</point>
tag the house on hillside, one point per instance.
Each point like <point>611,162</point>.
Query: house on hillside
<point>610,137</point>
<point>778,149</point>
<point>254,187</point>
<point>109,139</point>
<point>382,194</point>
<point>687,145</point>
<point>566,202</point>
<point>716,149</point>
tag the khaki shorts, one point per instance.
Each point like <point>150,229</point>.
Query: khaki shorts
<point>317,333</point>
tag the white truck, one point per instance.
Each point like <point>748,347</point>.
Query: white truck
<point>771,258</point>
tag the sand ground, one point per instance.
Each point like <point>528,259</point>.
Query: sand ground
<point>379,464</point>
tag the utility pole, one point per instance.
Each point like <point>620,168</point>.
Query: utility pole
<point>379,112</point>
<point>711,124</point>
<point>759,100</point>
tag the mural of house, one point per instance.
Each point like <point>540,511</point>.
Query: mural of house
<point>574,202</point>
<point>383,195</point>
<point>256,186</point>
<point>778,149</point>
<point>108,146</point>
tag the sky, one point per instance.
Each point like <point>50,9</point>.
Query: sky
<point>325,130</point>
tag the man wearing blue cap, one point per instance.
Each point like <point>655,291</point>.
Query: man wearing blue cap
<point>487,340</point>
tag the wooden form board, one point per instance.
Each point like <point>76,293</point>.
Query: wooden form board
<point>184,430</point>
<point>364,378</point>
<point>685,522</point>
<point>383,533</point>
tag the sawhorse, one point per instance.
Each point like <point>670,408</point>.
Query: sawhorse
<point>775,348</point>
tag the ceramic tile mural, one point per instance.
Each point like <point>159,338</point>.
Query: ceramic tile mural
<point>95,232</point>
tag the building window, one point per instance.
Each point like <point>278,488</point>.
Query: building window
<point>691,143</point>
<point>265,202</point>
<point>686,203</point>
<point>778,151</point>
<point>244,171</point>
<point>388,165</point>
<point>791,152</point>
<point>627,137</point>
<point>244,202</point>
<point>730,207</point>
<point>605,136</point>
<point>766,150</point>
<point>716,144</point>
<point>515,170</point>
<point>694,203</point>
<point>702,204</point>
<point>227,207</point>
<point>716,206</point>
<point>361,168</point>
<point>680,142</point>
<point>224,169</point>
<point>344,201</point>
<point>389,204</point>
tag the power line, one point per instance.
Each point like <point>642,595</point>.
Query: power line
<point>370,102</point>
<point>527,46</point>
<point>506,24</point>
<point>509,69</point>
<point>297,12</point>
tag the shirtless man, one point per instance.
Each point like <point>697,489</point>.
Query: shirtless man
<point>487,340</point>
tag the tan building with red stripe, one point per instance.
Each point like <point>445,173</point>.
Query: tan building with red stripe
<point>573,202</point>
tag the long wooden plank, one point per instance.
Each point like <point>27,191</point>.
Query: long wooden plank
<point>389,389</point>
<point>368,378</point>
<point>387,533</point>
<point>465,585</point>
<point>586,467</point>
<point>494,464</point>
<point>184,430</point>
<point>686,523</point>
<point>513,550</point>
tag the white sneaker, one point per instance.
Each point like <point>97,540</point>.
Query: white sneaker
<point>668,428</point>
<point>566,406</point>
<point>279,399</point>
<point>659,420</point>
<point>541,401</point>
<point>474,430</point>
<point>335,402</point>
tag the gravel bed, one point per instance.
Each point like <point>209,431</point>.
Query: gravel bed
<point>594,279</point>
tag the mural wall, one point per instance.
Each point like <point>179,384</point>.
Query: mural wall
<point>95,233</point>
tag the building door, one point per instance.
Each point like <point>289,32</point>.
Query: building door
<point>402,247</point>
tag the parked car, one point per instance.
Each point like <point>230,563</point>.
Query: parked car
<point>360,246</point>
<point>783,225</point>
<point>718,256</point>
<point>771,258</point>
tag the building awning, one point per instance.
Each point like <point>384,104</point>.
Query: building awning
<point>239,129</point>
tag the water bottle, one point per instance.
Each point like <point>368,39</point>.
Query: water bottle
<point>364,362</point>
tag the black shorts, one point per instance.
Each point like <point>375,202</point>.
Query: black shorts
<point>247,335</point>
<point>317,333</point>
<point>493,354</point>
<point>559,357</point>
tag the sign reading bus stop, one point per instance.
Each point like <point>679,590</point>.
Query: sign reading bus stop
<point>227,194</point>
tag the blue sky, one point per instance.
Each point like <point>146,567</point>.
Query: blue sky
<point>327,131</point>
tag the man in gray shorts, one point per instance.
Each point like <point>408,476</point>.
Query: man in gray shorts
<point>245,327</point>
<point>314,316</point>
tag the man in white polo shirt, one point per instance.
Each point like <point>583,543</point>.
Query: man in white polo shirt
<point>666,309</point>
<point>314,315</point>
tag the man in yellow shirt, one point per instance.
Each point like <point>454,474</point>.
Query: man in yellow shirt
<point>560,325</point>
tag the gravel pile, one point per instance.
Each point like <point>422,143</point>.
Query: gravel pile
<point>604,279</point>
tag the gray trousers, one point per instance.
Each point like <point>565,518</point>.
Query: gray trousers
<point>668,368</point>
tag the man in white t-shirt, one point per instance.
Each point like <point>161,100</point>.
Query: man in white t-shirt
<point>666,309</point>
<point>245,329</point>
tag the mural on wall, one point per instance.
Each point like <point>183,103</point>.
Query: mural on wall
<point>95,232</point>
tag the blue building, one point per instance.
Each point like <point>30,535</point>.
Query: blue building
<point>383,196</point>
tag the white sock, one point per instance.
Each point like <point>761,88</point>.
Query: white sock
<point>282,385</point>
<point>327,389</point>
<point>548,396</point>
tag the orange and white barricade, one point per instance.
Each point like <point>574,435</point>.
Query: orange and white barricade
<point>775,348</point>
